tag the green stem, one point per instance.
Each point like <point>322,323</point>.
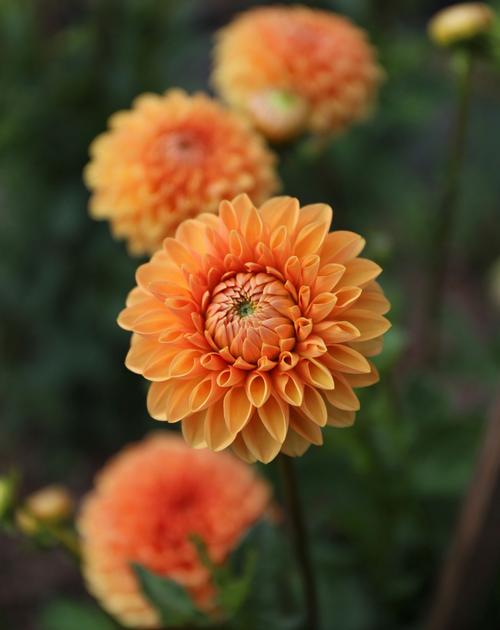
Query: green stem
<point>446,213</point>
<point>299,538</point>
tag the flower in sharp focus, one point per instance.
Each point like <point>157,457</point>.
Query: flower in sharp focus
<point>169,158</point>
<point>146,504</point>
<point>460,23</point>
<point>318,59</point>
<point>254,327</point>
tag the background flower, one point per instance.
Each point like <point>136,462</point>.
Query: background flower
<point>312,57</point>
<point>255,325</point>
<point>168,159</point>
<point>146,503</point>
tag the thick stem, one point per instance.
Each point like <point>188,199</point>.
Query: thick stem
<point>446,212</point>
<point>299,537</point>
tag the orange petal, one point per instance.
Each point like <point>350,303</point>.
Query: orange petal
<point>141,350</point>
<point>280,211</point>
<point>313,406</point>
<point>186,363</point>
<point>310,238</point>
<point>342,396</point>
<point>193,429</point>
<point>193,235</point>
<point>295,445</point>
<point>258,388</point>
<point>237,409</point>
<point>372,299</point>
<point>369,324</point>
<point>319,213</point>
<point>340,418</point>
<point>359,272</point>
<point>364,380</point>
<point>336,332</point>
<point>290,387</point>
<point>345,359</point>
<point>157,400</point>
<point>240,449</point>
<point>228,215</point>
<point>157,368</point>
<point>259,441</point>
<point>321,306</point>
<point>315,373</point>
<point>178,403</point>
<point>328,278</point>
<point>274,416</point>
<point>341,246</point>
<point>346,297</point>
<point>370,348</point>
<point>217,434</point>
<point>204,393</point>
<point>308,430</point>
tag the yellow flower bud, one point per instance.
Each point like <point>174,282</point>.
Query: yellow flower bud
<point>5,496</point>
<point>26,522</point>
<point>278,114</point>
<point>460,22</point>
<point>50,504</point>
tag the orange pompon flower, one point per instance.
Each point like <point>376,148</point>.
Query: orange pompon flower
<point>270,61</point>
<point>254,327</point>
<point>168,159</point>
<point>146,504</point>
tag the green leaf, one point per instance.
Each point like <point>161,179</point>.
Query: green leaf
<point>232,580</point>
<point>169,598</point>
<point>63,614</point>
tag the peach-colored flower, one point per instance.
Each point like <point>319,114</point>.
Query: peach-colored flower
<point>168,159</point>
<point>314,56</point>
<point>146,504</point>
<point>255,325</point>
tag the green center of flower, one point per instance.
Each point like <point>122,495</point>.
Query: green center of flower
<point>245,308</point>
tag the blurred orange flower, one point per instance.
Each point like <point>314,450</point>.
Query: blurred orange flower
<point>254,327</point>
<point>146,503</point>
<point>271,60</point>
<point>168,159</point>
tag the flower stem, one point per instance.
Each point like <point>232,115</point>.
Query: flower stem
<point>446,215</point>
<point>299,538</point>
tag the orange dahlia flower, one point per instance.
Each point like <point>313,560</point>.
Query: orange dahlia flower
<point>254,327</point>
<point>147,502</point>
<point>169,158</point>
<point>270,61</point>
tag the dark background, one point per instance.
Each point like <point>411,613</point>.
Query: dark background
<point>382,497</point>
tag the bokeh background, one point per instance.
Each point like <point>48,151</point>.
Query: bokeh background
<point>382,498</point>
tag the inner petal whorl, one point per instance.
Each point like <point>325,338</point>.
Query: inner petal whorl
<point>248,314</point>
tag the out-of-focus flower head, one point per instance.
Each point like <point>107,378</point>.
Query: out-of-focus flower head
<point>169,158</point>
<point>146,504</point>
<point>50,504</point>
<point>322,64</point>
<point>460,23</point>
<point>254,327</point>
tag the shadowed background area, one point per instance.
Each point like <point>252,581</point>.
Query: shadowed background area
<point>382,498</point>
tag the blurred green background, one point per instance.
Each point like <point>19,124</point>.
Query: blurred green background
<point>382,497</point>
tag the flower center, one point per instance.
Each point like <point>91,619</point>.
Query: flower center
<point>249,316</point>
<point>245,308</point>
<point>185,147</point>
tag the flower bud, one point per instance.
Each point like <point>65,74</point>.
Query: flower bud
<point>278,114</point>
<point>5,496</point>
<point>50,504</point>
<point>459,23</point>
<point>26,522</point>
